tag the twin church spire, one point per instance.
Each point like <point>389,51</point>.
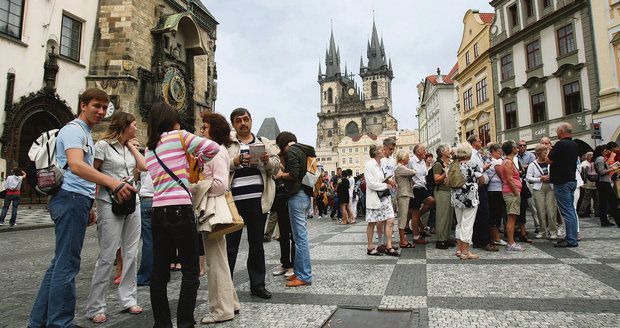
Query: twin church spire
<point>377,61</point>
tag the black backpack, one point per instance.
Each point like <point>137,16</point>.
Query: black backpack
<point>430,178</point>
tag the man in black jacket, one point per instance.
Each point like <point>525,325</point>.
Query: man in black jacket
<point>298,196</point>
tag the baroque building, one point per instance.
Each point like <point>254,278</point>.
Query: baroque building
<point>348,110</point>
<point>45,54</point>
<point>475,78</point>
<point>606,25</point>
<point>437,110</point>
<point>155,50</point>
<point>544,69</point>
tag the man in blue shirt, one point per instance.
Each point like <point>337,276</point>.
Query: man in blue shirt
<point>71,210</point>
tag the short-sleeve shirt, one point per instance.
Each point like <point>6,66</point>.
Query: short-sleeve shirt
<point>419,165</point>
<point>117,162</point>
<point>495,182</point>
<point>438,169</point>
<point>72,136</point>
<point>247,182</point>
<point>564,156</point>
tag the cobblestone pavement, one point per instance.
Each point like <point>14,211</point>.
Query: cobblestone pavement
<point>541,287</point>
<point>28,217</point>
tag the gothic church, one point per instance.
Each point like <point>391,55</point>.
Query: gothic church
<point>347,111</point>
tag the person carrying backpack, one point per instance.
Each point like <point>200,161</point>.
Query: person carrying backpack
<point>12,185</point>
<point>297,158</point>
<point>71,210</point>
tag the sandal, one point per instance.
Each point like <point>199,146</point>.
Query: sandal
<point>409,245</point>
<point>373,252</point>
<point>524,239</point>
<point>99,318</point>
<point>458,254</point>
<point>381,248</point>
<point>392,252</point>
<point>136,309</point>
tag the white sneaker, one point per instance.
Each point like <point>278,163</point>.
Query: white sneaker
<point>501,242</point>
<point>540,236</point>
<point>289,273</point>
<point>515,248</point>
<point>553,236</point>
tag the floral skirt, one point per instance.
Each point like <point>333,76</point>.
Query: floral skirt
<point>382,213</point>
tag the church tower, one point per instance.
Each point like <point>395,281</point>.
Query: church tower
<point>377,75</point>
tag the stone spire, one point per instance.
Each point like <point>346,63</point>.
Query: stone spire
<point>377,60</point>
<point>332,58</point>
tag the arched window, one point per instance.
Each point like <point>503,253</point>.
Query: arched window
<point>330,96</point>
<point>329,133</point>
<point>374,92</point>
<point>351,130</point>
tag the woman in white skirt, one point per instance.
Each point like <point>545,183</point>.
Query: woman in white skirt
<point>116,155</point>
<point>378,209</point>
<point>465,202</point>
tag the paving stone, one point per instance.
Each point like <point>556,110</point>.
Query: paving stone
<point>402,302</point>
<point>595,249</point>
<point>543,281</point>
<point>407,280</point>
<point>531,252</point>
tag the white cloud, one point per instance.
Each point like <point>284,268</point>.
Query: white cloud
<point>268,52</point>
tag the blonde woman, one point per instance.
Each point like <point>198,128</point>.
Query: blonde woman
<point>465,201</point>
<point>116,155</point>
<point>542,191</point>
<point>404,193</point>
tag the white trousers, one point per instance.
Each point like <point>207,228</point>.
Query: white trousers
<point>223,301</point>
<point>465,218</point>
<point>114,232</point>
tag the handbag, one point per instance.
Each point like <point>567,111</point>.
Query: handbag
<point>129,206</point>
<point>219,230</point>
<point>383,193</point>
<point>194,168</point>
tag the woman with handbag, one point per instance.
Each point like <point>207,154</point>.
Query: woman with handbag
<point>173,224</point>
<point>378,202</point>
<point>116,155</point>
<point>464,198</point>
<point>542,191</point>
<point>223,301</point>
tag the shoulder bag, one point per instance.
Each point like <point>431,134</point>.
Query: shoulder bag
<point>129,206</point>
<point>455,176</point>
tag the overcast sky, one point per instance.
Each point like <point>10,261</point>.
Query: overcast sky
<point>268,52</point>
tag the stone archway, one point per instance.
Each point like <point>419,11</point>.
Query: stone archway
<point>27,119</point>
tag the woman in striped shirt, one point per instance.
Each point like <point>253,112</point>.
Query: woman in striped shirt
<point>173,222</point>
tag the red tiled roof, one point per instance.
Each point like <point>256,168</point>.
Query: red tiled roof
<point>487,18</point>
<point>452,72</point>
<point>447,79</point>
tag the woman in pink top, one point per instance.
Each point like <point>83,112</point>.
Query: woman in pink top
<point>511,189</point>
<point>173,224</point>
<point>223,301</point>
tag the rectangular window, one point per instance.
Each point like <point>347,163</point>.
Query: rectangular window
<point>534,57</point>
<point>513,13</point>
<point>481,91</point>
<point>350,160</point>
<point>467,58</point>
<point>468,133</point>
<point>546,3</point>
<point>476,53</point>
<point>572,98</point>
<point>507,69</point>
<point>529,8</point>
<point>510,112</point>
<point>11,14</point>
<point>539,113</point>
<point>70,38</point>
<point>468,100</point>
<point>484,131</point>
<point>344,161</point>
<point>566,40</point>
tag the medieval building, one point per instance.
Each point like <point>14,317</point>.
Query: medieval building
<point>155,50</point>
<point>348,110</point>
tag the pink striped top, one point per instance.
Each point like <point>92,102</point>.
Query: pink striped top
<point>170,150</point>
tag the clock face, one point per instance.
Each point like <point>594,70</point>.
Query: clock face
<point>174,88</point>
<point>351,91</point>
<point>110,110</point>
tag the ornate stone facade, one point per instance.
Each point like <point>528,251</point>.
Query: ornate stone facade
<point>149,51</point>
<point>348,110</point>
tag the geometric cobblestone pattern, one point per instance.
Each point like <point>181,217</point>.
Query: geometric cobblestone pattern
<point>541,287</point>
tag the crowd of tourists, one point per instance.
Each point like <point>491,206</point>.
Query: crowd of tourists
<point>178,189</point>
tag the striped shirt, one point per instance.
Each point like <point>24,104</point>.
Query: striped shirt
<point>170,150</point>
<point>247,182</point>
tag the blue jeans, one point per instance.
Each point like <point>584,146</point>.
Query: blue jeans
<point>565,197</point>
<point>146,263</point>
<point>297,205</point>
<point>14,199</point>
<point>54,306</point>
